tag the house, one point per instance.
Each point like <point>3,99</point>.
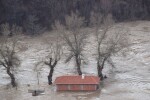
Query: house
<point>77,83</point>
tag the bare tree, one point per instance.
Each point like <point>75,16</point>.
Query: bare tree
<point>55,53</point>
<point>38,68</point>
<point>6,30</point>
<point>8,58</point>
<point>108,42</point>
<point>75,39</point>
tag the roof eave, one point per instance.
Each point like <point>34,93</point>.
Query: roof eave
<point>76,84</point>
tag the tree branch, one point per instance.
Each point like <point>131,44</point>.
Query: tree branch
<point>3,64</point>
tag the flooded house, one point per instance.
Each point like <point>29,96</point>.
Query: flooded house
<point>77,83</point>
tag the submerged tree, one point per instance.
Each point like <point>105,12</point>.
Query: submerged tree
<point>8,58</point>
<point>108,43</point>
<point>75,39</point>
<point>55,53</point>
<point>38,68</point>
<point>6,30</point>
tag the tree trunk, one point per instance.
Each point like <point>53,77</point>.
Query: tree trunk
<point>50,75</point>
<point>79,70</point>
<point>38,78</point>
<point>13,82</point>
<point>78,63</point>
<point>100,74</point>
<point>51,66</point>
<point>99,69</point>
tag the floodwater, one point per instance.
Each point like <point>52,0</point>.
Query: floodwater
<point>129,80</point>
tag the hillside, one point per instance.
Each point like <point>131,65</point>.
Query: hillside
<point>45,12</point>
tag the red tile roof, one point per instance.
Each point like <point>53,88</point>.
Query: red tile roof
<point>77,80</point>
